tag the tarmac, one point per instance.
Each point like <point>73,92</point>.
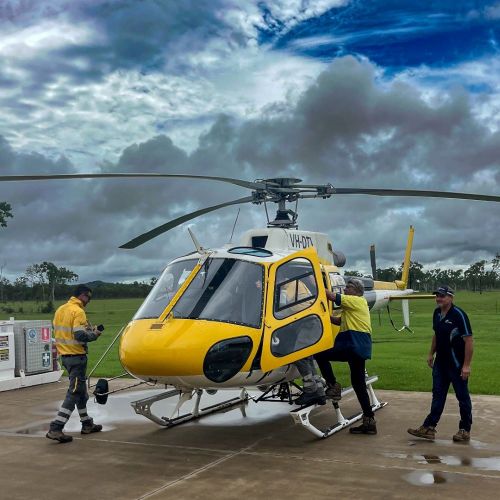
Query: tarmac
<point>255,451</point>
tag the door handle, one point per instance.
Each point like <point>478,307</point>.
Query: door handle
<point>323,306</point>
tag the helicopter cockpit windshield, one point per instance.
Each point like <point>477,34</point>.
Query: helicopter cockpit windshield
<point>165,288</point>
<point>226,290</point>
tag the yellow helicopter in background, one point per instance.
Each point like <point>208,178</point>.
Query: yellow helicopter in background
<point>238,316</point>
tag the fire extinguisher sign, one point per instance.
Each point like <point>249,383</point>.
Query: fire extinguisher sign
<point>45,334</point>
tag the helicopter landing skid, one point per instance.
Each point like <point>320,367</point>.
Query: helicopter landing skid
<point>143,406</point>
<point>301,415</point>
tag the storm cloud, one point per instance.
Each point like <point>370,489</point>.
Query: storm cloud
<point>225,88</point>
<point>349,128</point>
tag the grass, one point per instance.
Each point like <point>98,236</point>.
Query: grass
<point>398,358</point>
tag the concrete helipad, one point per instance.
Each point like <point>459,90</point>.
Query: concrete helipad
<point>252,452</point>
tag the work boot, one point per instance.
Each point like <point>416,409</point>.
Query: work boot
<point>369,426</point>
<point>334,392</point>
<point>59,436</point>
<point>91,428</point>
<point>424,432</point>
<point>310,398</point>
<point>462,436</point>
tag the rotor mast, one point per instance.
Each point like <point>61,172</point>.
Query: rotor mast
<point>283,190</point>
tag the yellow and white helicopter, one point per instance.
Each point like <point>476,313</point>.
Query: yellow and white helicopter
<point>225,317</point>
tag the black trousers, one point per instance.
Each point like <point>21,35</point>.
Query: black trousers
<point>77,395</point>
<point>357,368</point>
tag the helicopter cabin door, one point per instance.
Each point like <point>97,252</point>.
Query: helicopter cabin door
<point>297,319</point>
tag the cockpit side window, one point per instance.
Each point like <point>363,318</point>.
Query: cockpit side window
<point>165,288</point>
<point>338,283</point>
<point>295,289</point>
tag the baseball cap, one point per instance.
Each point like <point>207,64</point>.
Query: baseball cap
<point>357,285</point>
<point>444,290</point>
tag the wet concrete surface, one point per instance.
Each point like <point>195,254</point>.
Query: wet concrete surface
<point>250,451</point>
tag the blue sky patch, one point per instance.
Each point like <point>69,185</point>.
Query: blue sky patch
<point>396,34</point>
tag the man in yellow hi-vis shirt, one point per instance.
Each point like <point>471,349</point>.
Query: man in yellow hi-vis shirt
<point>354,345</point>
<point>72,332</point>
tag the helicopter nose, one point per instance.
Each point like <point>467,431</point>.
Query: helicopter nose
<point>179,349</point>
<point>149,351</point>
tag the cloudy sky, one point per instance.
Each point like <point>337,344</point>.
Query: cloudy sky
<point>359,94</point>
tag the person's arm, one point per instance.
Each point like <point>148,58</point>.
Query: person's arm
<point>336,298</point>
<point>466,331</point>
<point>81,330</point>
<point>469,350</point>
<point>430,357</point>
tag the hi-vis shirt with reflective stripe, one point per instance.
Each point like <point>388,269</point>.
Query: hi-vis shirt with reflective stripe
<point>69,319</point>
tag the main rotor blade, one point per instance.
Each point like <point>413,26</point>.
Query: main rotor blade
<point>415,192</point>
<point>143,238</point>
<point>124,175</point>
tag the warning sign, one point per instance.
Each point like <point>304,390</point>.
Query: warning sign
<point>45,334</point>
<point>45,359</point>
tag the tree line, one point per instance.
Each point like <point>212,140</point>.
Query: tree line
<point>476,278</point>
<point>46,282</point>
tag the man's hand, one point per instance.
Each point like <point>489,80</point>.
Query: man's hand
<point>465,374</point>
<point>330,295</point>
<point>430,360</point>
<point>335,320</point>
<point>96,331</point>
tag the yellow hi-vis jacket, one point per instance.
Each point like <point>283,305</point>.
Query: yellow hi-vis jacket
<point>71,329</point>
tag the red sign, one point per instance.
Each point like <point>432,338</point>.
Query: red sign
<point>45,334</point>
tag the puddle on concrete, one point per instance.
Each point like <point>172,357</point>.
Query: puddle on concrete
<point>425,478</point>
<point>118,411</point>
<point>480,463</point>
<point>473,443</point>
<point>489,463</point>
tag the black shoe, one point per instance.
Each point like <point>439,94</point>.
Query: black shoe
<point>59,436</point>
<point>369,426</point>
<point>90,429</point>
<point>334,392</point>
<point>310,398</point>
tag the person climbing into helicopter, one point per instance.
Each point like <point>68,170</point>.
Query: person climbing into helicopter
<point>354,345</point>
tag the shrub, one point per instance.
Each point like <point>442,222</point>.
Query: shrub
<point>47,308</point>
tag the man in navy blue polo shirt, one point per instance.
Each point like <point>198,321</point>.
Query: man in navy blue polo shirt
<point>450,359</point>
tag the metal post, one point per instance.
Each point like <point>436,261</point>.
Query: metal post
<point>104,355</point>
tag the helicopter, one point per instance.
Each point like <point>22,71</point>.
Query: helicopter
<point>239,316</point>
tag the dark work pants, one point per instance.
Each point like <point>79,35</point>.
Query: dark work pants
<point>77,395</point>
<point>442,377</point>
<point>357,369</point>
<point>311,381</point>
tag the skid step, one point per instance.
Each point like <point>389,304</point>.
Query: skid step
<point>143,406</point>
<point>301,415</point>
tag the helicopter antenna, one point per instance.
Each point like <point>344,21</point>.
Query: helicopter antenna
<point>199,248</point>
<point>267,213</point>
<point>234,226</point>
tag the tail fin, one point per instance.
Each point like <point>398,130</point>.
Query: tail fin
<point>406,263</point>
<point>373,262</point>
